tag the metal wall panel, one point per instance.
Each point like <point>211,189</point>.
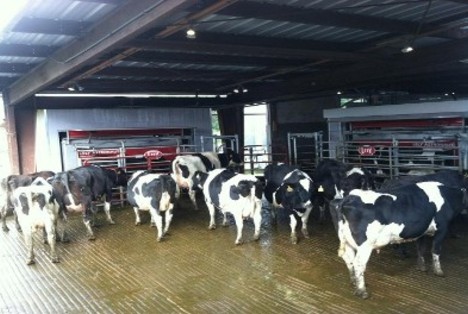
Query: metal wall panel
<point>48,154</point>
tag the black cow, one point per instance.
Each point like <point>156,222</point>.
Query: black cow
<point>296,195</point>
<point>185,166</point>
<point>76,190</point>
<point>235,193</point>
<point>335,180</point>
<point>8,185</point>
<point>155,193</point>
<point>274,175</point>
<point>370,220</point>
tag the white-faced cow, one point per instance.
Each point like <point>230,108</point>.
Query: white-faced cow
<point>36,208</point>
<point>370,220</point>
<point>76,190</point>
<point>274,175</point>
<point>155,193</point>
<point>335,179</point>
<point>234,193</point>
<point>296,194</point>
<point>185,166</point>
<point>8,185</point>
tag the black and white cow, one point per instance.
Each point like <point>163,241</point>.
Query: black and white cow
<point>36,208</point>
<point>234,193</point>
<point>76,189</point>
<point>296,195</point>
<point>335,179</point>
<point>155,193</point>
<point>185,166</point>
<point>8,185</point>
<point>274,175</point>
<point>370,220</point>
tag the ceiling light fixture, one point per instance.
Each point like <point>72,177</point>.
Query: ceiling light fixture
<point>191,34</point>
<point>407,49</point>
<point>75,87</point>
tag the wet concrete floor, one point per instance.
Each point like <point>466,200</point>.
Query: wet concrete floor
<point>196,270</point>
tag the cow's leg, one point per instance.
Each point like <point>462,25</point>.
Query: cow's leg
<point>211,210</point>
<point>240,226</point>
<point>437,249</point>
<point>225,220</point>
<point>168,219</point>
<point>305,219</point>
<point>51,238</point>
<point>193,198</point>
<point>63,218</point>
<point>421,249</point>
<point>17,224</point>
<point>293,224</point>
<point>159,223</point>
<point>348,254</point>
<point>28,239</point>
<point>3,213</point>
<point>137,216</point>
<point>107,207</point>
<point>274,214</point>
<point>87,222</point>
<point>257,218</point>
<point>360,262</point>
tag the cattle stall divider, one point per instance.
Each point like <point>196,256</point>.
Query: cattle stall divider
<point>306,149</point>
<point>131,150</point>
<point>219,143</point>
<point>386,159</point>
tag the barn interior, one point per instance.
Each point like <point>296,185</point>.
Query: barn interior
<point>125,82</point>
<point>297,57</point>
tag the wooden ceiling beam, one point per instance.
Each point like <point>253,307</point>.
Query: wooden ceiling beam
<point>244,50</point>
<point>22,50</point>
<point>130,20</point>
<point>50,27</point>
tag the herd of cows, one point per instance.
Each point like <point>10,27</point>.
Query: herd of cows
<point>366,218</point>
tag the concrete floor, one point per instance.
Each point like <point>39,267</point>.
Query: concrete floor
<point>196,270</point>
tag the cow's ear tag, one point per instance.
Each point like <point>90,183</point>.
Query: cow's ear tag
<point>320,189</point>
<point>289,189</point>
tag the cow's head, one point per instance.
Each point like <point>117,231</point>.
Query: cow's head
<point>121,177</point>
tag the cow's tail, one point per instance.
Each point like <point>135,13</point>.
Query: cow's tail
<point>175,166</point>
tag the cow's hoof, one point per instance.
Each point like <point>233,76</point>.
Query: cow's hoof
<point>159,239</point>
<point>239,242</point>
<point>421,267</point>
<point>256,237</point>
<point>212,227</point>
<point>5,229</point>
<point>306,234</point>
<point>65,240</point>
<point>112,222</point>
<point>439,273</point>
<point>152,225</point>
<point>55,260</point>
<point>361,293</point>
<point>30,262</point>
<point>137,223</point>
<point>92,238</point>
<point>294,239</point>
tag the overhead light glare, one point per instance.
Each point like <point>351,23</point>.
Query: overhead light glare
<point>407,49</point>
<point>9,11</point>
<point>191,34</point>
<point>162,95</point>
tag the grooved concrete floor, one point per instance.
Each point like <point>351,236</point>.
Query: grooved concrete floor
<point>196,270</point>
